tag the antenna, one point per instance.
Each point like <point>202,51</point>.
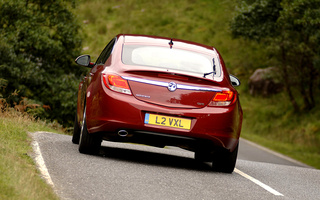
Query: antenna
<point>171,44</point>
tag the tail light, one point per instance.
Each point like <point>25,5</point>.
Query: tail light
<point>116,83</point>
<point>224,98</point>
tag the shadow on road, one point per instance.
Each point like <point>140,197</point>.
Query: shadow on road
<point>153,158</point>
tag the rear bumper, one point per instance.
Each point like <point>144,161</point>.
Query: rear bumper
<point>108,112</point>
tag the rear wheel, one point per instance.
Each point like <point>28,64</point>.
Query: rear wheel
<point>76,131</point>
<point>225,161</point>
<point>89,143</point>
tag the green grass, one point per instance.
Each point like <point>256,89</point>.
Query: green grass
<point>19,177</point>
<point>205,21</point>
<point>273,123</point>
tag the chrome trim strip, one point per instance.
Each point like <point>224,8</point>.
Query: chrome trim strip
<point>165,84</point>
<point>151,82</point>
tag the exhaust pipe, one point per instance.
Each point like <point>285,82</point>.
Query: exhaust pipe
<point>123,133</point>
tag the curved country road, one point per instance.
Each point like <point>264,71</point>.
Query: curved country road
<point>128,171</point>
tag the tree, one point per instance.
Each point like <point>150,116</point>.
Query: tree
<point>290,29</point>
<point>39,40</point>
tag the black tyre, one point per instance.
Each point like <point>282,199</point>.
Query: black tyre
<point>76,131</point>
<point>89,143</point>
<point>225,161</point>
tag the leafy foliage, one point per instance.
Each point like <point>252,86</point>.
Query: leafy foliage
<point>290,29</point>
<point>39,40</point>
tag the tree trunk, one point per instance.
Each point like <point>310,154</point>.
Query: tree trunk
<point>312,75</point>
<point>304,80</point>
<point>286,81</point>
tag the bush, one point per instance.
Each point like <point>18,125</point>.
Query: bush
<point>39,40</point>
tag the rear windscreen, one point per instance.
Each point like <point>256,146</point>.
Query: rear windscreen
<point>174,59</point>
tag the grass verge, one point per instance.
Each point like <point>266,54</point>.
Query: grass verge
<point>272,123</point>
<point>19,177</point>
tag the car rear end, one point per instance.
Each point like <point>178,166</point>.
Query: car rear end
<point>165,92</point>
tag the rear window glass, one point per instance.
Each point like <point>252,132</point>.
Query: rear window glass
<point>174,59</point>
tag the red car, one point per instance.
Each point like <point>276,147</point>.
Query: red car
<point>160,91</point>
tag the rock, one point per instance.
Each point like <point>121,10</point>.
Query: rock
<point>265,82</point>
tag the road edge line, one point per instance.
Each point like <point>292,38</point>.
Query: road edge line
<point>40,161</point>
<point>264,186</point>
<point>301,164</point>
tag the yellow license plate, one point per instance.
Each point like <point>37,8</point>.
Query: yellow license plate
<point>162,120</point>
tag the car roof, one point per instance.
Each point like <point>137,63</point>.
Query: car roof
<point>164,41</point>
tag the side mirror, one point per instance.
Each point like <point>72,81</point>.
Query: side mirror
<point>234,81</point>
<point>84,60</point>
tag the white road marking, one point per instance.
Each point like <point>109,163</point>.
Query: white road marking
<point>41,164</point>
<point>264,186</point>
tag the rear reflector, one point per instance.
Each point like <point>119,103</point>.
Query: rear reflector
<point>223,98</point>
<point>116,83</point>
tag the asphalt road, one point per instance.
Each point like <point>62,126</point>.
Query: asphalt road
<point>127,171</point>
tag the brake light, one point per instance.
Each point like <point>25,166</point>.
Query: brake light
<point>116,83</point>
<point>224,98</point>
